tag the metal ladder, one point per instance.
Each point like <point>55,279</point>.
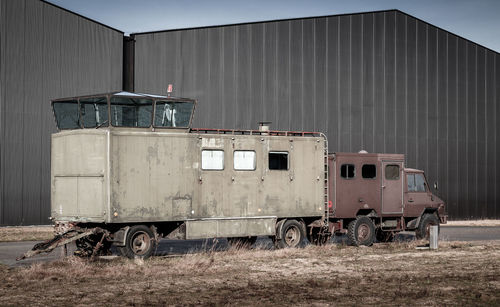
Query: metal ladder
<point>326,196</point>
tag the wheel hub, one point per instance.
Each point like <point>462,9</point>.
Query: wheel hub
<point>363,232</point>
<point>292,236</point>
<point>141,243</point>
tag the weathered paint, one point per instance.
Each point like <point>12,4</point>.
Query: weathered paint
<point>156,176</point>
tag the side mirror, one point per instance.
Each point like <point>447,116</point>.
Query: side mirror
<point>435,185</point>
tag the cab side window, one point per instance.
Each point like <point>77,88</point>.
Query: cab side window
<point>416,183</point>
<point>212,160</point>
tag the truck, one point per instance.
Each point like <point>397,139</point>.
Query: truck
<point>127,169</point>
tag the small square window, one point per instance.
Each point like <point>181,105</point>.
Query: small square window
<point>392,172</point>
<point>212,160</point>
<point>278,160</point>
<point>244,160</point>
<point>347,171</point>
<point>369,171</point>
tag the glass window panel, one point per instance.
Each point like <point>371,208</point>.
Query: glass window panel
<point>67,115</point>
<point>131,112</point>
<point>419,183</point>
<point>94,112</point>
<point>212,159</point>
<point>173,114</point>
<point>411,182</point>
<point>278,160</point>
<point>244,160</point>
<point>347,171</point>
<point>392,172</point>
<point>369,171</point>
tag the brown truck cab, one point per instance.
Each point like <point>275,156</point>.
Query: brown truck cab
<point>375,196</point>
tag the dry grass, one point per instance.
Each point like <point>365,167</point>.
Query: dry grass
<point>484,223</point>
<point>26,233</point>
<point>385,274</point>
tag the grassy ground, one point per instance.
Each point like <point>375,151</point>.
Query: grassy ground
<point>26,233</point>
<point>384,274</point>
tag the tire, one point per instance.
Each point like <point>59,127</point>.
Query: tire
<point>292,234</point>
<point>140,243</point>
<point>241,242</point>
<point>361,231</point>
<point>423,229</point>
<point>384,236</point>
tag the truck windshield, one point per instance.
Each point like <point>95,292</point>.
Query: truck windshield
<point>94,112</point>
<point>131,112</point>
<point>173,114</point>
<point>66,113</point>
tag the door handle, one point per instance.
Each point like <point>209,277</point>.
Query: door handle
<point>410,200</point>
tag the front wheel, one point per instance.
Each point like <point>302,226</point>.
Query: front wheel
<point>361,231</point>
<point>423,230</point>
<point>292,234</point>
<point>140,243</point>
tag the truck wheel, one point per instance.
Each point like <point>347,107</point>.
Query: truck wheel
<point>241,242</point>
<point>361,231</point>
<point>292,234</point>
<point>140,243</point>
<point>423,229</point>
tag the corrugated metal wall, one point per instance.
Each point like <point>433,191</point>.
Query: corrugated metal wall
<point>46,52</point>
<point>382,81</point>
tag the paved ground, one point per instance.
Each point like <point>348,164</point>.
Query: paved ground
<point>10,250</point>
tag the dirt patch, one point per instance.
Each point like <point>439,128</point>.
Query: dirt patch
<point>26,233</point>
<point>385,274</point>
<point>484,223</point>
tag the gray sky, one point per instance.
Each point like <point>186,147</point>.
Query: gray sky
<point>477,20</point>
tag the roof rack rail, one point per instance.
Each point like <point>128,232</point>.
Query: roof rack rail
<point>255,132</point>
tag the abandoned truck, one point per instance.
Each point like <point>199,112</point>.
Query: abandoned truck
<point>127,169</point>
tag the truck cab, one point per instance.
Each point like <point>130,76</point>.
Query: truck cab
<point>374,196</point>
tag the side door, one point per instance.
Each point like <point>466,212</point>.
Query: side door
<point>392,187</point>
<point>417,195</point>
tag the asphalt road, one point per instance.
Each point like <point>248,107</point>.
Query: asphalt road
<point>9,251</point>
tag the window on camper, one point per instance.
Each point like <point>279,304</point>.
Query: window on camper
<point>392,172</point>
<point>278,160</point>
<point>369,171</point>
<point>173,114</point>
<point>131,112</point>
<point>94,112</point>
<point>212,160</point>
<point>244,160</point>
<point>347,171</point>
<point>66,113</point>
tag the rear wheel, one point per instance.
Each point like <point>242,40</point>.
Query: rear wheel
<point>423,230</point>
<point>140,243</point>
<point>241,242</point>
<point>361,231</point>
<point>292,234</point>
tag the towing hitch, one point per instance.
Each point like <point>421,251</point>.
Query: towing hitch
<point>63,239</point>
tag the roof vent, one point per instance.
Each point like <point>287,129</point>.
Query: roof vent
<point>264,127</point>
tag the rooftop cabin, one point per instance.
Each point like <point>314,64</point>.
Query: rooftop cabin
<point>124,109</point>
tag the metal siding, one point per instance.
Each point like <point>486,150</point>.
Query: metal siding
<point>51,53</point>
<point>14,105</point>
<point>390,82</point>
<point>2,99</point>
<point>451,176</point>
<point>356,83</point>
<point>383,82</point>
